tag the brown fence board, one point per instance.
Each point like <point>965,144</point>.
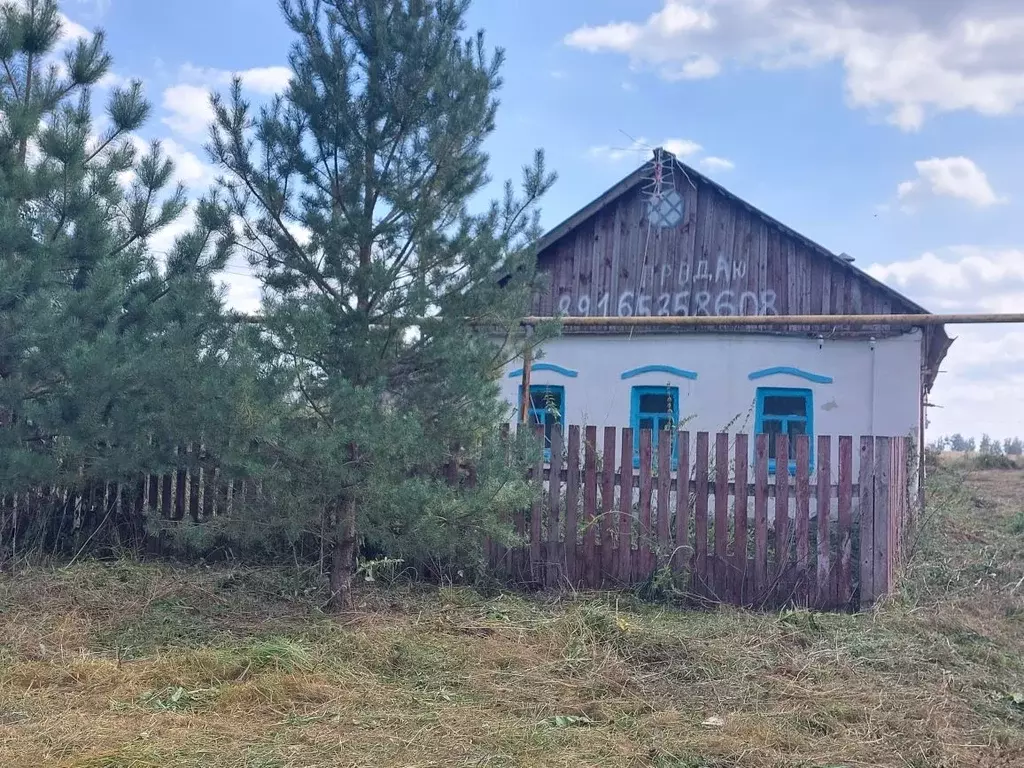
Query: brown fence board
<point>643,560</point>
<point>536,574</point>
<point>664,545</point>
<point>590,572</point>
<point>867,522</point>
<point>782,526</point>
<point>720,568</point>
<point>882,532</point>
<point>760,516</point>
<point>803,504</point>
<point>572,497</point>
<point>740,593</point>
<point>552,550</point>
<point>825,597</point>
<point>682,559</point>
<point>608,553</point>
<point>700,516</point>
<point>845,521</point>
<point>626,507</point>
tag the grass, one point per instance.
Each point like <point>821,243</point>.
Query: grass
<point>131,666</point>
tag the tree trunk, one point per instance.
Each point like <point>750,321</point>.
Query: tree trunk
<point>343,558</point>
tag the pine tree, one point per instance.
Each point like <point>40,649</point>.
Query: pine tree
<point>355,190</point>
<point>103,345</point>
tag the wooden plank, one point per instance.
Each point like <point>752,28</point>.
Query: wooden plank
<point>803,515</point>
<point>180,487</point>
<point>882,532</point>
<point>626,507</point>
<point>166,496</point>
<point>572,498</point>
<point>664,548</point>
<point>740,595</point>
<point>644,559</point>
<point>553,549</point>
<point>866,514</point>
<point>535,570</point>
<point>824,511</point>
<point>760,516</point>
<point>782,526</point>
<point>590,571</point>
<point>609,556</point>
<point>682,557</point>
<point>194,480</point>
<point>700,517</point>
<point>845,521</point>
<point>720,568</point>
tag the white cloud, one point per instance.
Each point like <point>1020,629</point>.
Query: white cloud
<point>72,31</point>
<point>641,148</point>
<point>187,103</point>
<point>713,164</point>
<point>957,177</point>
<point>984,371</point>
<point>910,58</point>
<point>189,110</point>
<point>188,168</point>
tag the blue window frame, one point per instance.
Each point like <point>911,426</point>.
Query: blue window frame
<point>547,408</point>
<point>785,411</point>
<point>656,409</point>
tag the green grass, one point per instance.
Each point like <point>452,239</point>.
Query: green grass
<point>130,665</point>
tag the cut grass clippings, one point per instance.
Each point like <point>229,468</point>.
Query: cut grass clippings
<point>106,665</point>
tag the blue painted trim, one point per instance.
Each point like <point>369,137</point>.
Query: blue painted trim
<point>808,396</point>
<point>567,372</point>
<point>671,370</point>
<point>544,412</point>
<point>635,415</point>
<point>817,378</point>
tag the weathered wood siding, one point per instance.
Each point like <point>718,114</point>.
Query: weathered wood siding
<point>723,258</point>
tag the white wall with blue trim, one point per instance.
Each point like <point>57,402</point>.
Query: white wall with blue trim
<point>856,387</point>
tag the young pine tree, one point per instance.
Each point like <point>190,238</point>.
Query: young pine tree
<point>103,345</point>
<point>355,191</point>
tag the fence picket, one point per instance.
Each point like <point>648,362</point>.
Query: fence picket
<point>682,557</point>
<point>551,549</point>
<point>824,511</point>
<point>588,574</point>
<point>845,521</point>
<point>700,517</point>
<point>882,562</point>
<point>608,552</point>
<point>535,569</point>
<point>664,548</point>
<point>572,496</point>
<point>782,544</point>
<point>803,514</point>
<point>720,567</point>
<point>626,507</point>
<point>740,594</point>
<point>643,559</point>
<point>867,522</point>
<point>760,516</point>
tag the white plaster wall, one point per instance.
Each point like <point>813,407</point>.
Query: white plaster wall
<point>875,391</point>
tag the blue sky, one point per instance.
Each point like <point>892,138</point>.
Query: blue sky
<point>888,129</point>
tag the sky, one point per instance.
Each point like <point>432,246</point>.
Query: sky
<point>886,129</point>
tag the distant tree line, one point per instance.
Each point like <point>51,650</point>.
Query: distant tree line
<point>988,446</point>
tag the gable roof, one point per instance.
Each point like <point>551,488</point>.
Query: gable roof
<point>937,342</point>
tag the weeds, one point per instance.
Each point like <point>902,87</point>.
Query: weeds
<point>129,665</point>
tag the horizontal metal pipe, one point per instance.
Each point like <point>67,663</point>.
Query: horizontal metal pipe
<point>823,321</point>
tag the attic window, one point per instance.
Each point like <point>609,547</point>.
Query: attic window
<point>666,210</point>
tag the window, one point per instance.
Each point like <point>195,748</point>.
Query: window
<point>785,412</point>
<point>547,407</point>
<point>656,409</point>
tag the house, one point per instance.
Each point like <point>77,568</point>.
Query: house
<point>667,240</point>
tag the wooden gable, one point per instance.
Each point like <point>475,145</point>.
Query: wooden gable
<point>702,251</point>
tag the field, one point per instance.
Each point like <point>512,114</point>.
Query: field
<point>129,665</point>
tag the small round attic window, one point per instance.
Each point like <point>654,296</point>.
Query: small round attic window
<point>666,210</point>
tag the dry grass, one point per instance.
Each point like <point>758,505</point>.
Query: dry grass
<point>138,666</point>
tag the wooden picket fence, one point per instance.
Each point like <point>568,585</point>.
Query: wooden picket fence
<point>715,523</point>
